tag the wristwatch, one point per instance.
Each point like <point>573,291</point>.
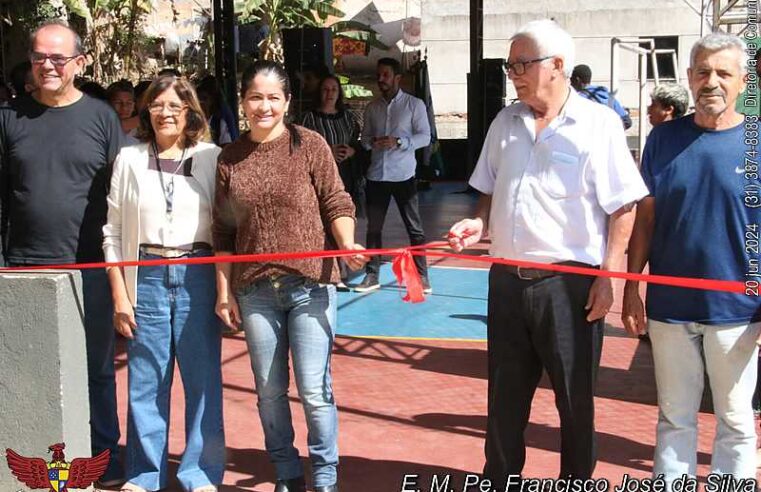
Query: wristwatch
<point>399,142</point>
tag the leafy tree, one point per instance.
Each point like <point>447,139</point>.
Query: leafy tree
<point>359,32</point>
<point>113,34</point>
<point>284,14</point>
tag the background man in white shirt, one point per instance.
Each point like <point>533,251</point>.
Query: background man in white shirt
<point>558,184</point>
<point>395,125</point>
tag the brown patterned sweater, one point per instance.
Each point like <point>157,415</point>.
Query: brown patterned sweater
<point>270,199</point>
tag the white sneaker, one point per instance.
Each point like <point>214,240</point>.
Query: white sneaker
<point>426,284</point>
<point>131,487</point>
<point>206,488</point>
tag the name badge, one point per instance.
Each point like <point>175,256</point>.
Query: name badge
<point>563,158</point>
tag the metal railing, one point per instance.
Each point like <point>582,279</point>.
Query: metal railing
<point>634,45</point>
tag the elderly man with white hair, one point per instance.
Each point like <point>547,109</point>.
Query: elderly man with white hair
<point>558,184</point>
<point>698,221</point>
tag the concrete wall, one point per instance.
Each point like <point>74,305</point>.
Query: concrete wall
<point>43,368</point>
<point>445,31</point>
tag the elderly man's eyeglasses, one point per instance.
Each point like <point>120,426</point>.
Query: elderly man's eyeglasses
<point>174,109</point>
<point>519,68</point>
<point>56,60</point>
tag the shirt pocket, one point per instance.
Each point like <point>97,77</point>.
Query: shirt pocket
<point>561,175</point>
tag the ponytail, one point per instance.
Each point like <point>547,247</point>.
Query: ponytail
<point>295,137</point>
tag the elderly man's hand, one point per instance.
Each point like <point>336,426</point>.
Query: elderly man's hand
<point>465,233</point>
<point>600,299</point>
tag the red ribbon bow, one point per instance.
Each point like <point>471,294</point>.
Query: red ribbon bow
<point>407,275</point>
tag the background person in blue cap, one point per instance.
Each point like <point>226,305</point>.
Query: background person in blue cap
<point>580,80</point>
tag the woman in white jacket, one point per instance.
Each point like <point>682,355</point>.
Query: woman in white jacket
<point>160,207</point>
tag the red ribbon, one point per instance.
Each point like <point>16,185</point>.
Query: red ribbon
<point>407,275</point>
<point>404,267</point>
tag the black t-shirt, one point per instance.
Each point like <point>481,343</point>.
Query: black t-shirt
<point>55,169</point>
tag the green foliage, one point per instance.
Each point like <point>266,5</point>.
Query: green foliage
<point>113,36</point>
<point>364,33</point>
<point>80,8</point>
<point>112,32</point>
<point>92,10</point>
<point>354,90</point>
<point>28,14</point>
<point>284,14</point>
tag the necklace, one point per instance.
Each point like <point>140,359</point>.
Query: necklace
<point>168,189</point>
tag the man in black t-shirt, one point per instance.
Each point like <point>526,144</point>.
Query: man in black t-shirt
<point>56,151</point>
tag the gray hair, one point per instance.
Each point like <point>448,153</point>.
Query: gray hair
<point>78,48</point>
<point>551,40</point>
<point>673,95</point>
<point>720,41</point>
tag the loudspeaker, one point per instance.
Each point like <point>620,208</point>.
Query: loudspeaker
<point>249,37</point>
<point>307,46</point>
<point>302,48</point>
<point>494,88</point>
<point>495,84</point>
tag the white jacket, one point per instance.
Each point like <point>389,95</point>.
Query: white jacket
<point>121,234</point>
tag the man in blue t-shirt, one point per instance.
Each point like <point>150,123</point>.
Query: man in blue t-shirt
<point>694,224</point>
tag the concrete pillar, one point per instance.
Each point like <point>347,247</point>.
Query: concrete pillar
<point>43,367</point>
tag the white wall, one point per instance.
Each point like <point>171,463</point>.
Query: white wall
<point>445,31</point>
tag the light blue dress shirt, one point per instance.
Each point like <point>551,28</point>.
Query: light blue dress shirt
<point>404,117</point>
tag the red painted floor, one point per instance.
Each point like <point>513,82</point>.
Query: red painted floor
<point>418,407</point>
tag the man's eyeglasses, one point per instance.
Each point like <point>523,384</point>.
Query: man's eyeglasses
<point>519,68</point>
<point>56,60</point>
<point>174,109</point>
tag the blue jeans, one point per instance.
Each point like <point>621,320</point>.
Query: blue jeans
<point>729,354</point>
<point>175,320</point>
<point>100,338</point>
<point>296,314</point>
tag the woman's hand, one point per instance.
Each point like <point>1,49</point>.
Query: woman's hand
<point>345,152</point>
<point>341,152</point>
<point>228,311</point>
<point>124,320</point>
<point>357,261</point>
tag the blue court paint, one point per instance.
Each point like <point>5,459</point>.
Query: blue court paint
<point>456,309</point>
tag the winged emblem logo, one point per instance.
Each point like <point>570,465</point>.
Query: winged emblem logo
<point>57,475</point>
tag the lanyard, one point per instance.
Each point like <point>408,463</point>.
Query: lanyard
<point>168,189</point>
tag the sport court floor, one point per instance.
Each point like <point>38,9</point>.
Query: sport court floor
<point>410,383</point>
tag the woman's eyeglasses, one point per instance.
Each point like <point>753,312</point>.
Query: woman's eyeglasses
<point>174,109</point>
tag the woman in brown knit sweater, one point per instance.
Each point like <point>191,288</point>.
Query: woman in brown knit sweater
<point>278,190</point>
